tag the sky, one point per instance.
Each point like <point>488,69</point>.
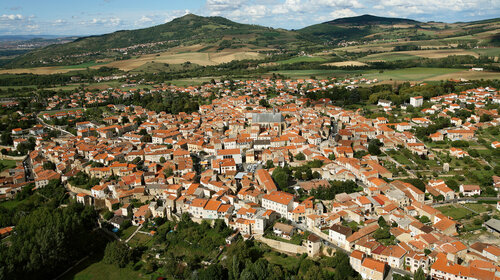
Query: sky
<point>91,17</point>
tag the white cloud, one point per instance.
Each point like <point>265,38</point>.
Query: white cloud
<point>224,5</point>
<point>342,13</point>
<point>12,17</point>
<point>337,3</point>
<point>145,19</point>
<point>115,21</point>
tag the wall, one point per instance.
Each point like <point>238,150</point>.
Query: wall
<point>282,246</point>
<point>78,190</point>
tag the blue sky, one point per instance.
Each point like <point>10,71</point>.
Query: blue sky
<point>86,17</point>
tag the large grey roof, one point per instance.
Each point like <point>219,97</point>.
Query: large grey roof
<point>267,118</point>
<point>494,224</point>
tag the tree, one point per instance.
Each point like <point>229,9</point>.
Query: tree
<point>381,222</point>
<point>168,172</point>
<point>107,215</point>
<point>214,271</point>
<point>117,253</point>
<point>300,156</point>
<point>146,138</point>
<point>382,233</point>
<point>269,164</point>
<point>162,160</point>
<point>424,219</point>
<point>374,147</point>
<point>48,165</point>
<point>419,275</point>
<point>264,103</point>
<point>281,177</point>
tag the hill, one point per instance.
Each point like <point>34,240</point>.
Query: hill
<point>214,32</point>
<point>214,40</point>
<point>371,20</point>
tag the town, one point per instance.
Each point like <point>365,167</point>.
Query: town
<point>392,186</point>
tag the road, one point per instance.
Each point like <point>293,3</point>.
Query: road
<point>54,127</point>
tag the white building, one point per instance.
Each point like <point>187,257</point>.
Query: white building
<point>416,101</point>
<point>280,202</point>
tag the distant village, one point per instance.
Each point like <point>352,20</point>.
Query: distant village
<point>218,163</point>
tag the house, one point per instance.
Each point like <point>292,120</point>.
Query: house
<point>265,181</point>
<point>338,234</point>
<point>459,134</point>
<point>43,178</point>
<point>197,206</point>
<point>493,225</point>
<point>210,209</point>
<point>416,101</point>
<point>313,245</point>
<point>99,191</point>
<point>230,153</point>
<point>384,103</point>
<point>283,230</point>
<point>84,199</point>
<point>117,221</point>
<point>278,201</point>
<point>373,270</point>
<point>470,190</point>
<point>356,259</point>
<point>439,187</point>
<point>141,215</point>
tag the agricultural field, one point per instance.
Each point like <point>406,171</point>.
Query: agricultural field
<point>299,59</point>
<point>140,239</point>
<point>300,74</point>
<point>173,56</point>
<point>429,74</point>
<point>346,63</point>
<point>389,57</point>
<point>479,207</point>
<point>490,52</point>
<point>85,65</point>
<point>127,232</point>
<point>456,212</point>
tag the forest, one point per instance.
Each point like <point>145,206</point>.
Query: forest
<point>48,238</point>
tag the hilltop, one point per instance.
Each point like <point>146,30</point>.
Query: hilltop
<point>371,20</point>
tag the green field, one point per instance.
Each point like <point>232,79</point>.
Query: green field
<point>488,51</point>
<point>318,73</point>
<point>127,232</point>
<point>141,239</point>
<point>7,164</point>
<point>389,57</point>
<point>83,65</point>
<point>99,270</point>
<point>456,213</point>
<point>302,59</point>
<point>410,74</point>
<point>289,262</point>
<point>478,207</point>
